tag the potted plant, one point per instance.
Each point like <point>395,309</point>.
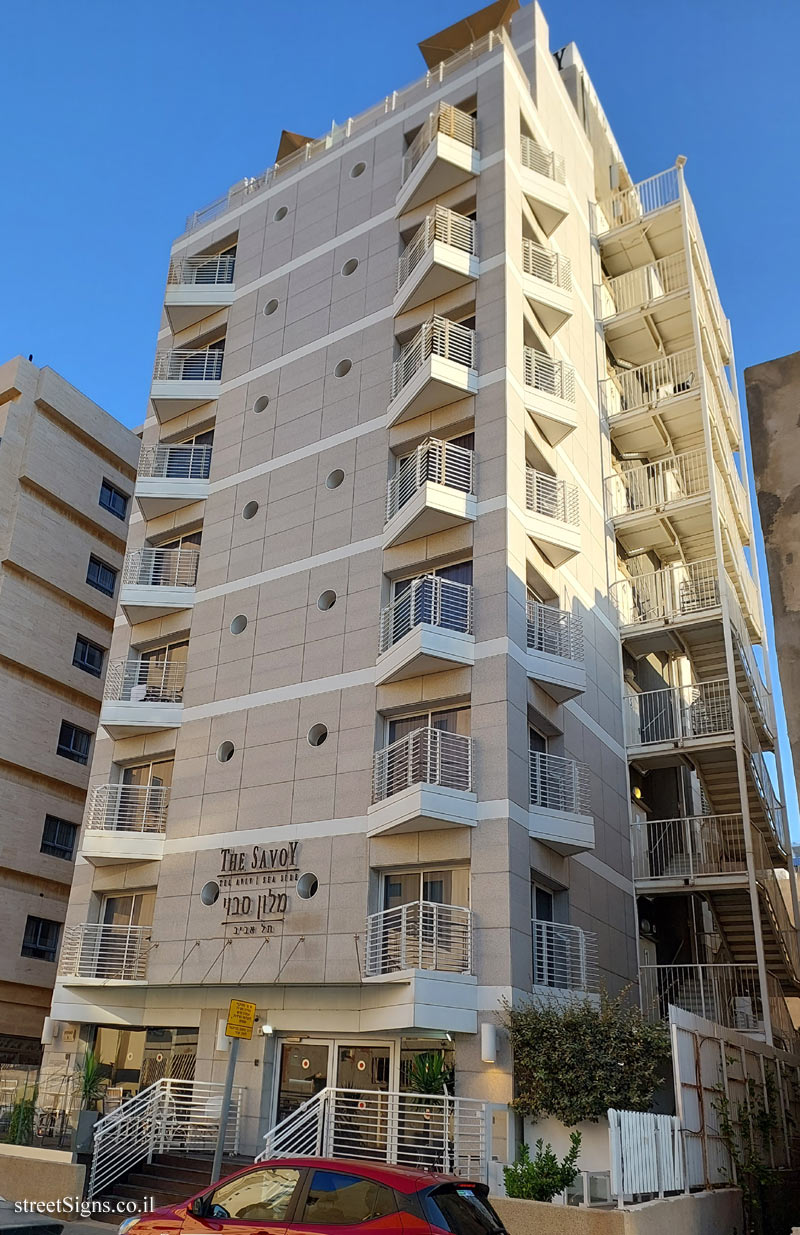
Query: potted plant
<point>426,1128</point>
<point>91,1087</point>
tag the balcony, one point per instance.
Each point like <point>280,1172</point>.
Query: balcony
<point>647,311</point>
<point>670,387</point>
<point>684,594</point>
<point>727,994</point>
<point>656,505</point>
<point>95,953</point>
<point>170,477</point>
<point>441,157</point>
<point>156,582</point>
<point>431,491</point>
<point>669,719</point>
<point>549,394</point>
<point>423,781</point>
<point>559,811</point>
<point>640,223</point>
<point>436,368</point>
<point>142,696</point>
<point>421,935</point>
<point>439,258</point>
<point>543,183</point>
<point>198,286</point>
<point>185,379</point>
<point>427,629</point>
<point>125,823</point>
<point>564,958</point>
<point>555,651</point>
<point>547,283</point>
<point>552,517</point>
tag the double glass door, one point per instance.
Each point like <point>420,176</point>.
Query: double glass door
<point>361,1077</point>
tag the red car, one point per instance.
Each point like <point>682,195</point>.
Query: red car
<point>328,1196</point>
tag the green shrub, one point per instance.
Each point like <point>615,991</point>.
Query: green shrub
<point>543,1177</point>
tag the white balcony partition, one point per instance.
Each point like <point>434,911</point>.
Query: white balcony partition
<point>152,567</point>
<point>208,268</point>
<point>691,847</point>
<point>556,499</point>
<point>551,377</point>
<point>145,681</point>
<point>442,225</point>
<point>539,159</point>
<point>128,808</point>
<point>544,264</point>
<point>640,287</point>
<point>727,994</point>
<point>652,383</point>
<point>420,935</point>
<point>554,631</point>
<point>640,487</point>
<point>98,951</point>
<point>629,205</point>
<point>174,462</point>
<point>445,119</point>
<point>435,462</point>
<point>679,713</point>
<point>667,595</point>
<point>558,784</point>
<point>430,601</point>
<point>425,757</point>
<point>185,365</point>
<point>437,337</point>
<point>564,957</point>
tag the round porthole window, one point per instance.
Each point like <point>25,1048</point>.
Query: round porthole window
<point>225,751</point>
<point>270,307</point>
<point>350,266</point>
<point>343,368</point>
<point>238,624</point>
<point>334,478</point>
<point>209,893</point>
<point>307,886</point>
<point>317,735</point>
<point>357,170</point>
<point>280,213</point>
<point>250,509</point>
<point>261,404</point>
<point>326,601</point>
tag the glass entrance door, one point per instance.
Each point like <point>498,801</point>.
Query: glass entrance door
<point>360,1120</point>
<point>303,1073</point>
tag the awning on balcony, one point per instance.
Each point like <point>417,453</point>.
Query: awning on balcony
<point>438,47</point>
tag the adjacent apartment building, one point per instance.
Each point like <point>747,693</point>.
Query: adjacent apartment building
<point>434,679</point>
<point>67,472</point>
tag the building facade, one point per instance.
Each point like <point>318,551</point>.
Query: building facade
<point>369,761</point>
<point>67,472</point>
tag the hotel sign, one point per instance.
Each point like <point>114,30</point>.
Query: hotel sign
<point>256,882</point>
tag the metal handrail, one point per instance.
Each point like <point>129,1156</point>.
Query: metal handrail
<point>429,601</point>
<point>639,487</point>
<point>145,681</point>
<point>564,957</point>
<point>442,225</point>
<point>433,462</point>
<point>646,284</point>
<point>437,337</point>
<point>650,384</point>
<point>419,935</point>
<point>551,377</point>
<point>539,159</point>
<point>425,757</point>
<point>187,365</point>
<point>179,462</point>
<point>152,567</point>
<point>445,119</point>
<point>554,631</point>
<point>680,590</point>
<point>726,993</point>
<point>100,950</point>
<point>544,264</point>
<point>627,205</point>
<point>677,713</point>
<point>128,808</point>
<point>209,268</point>
<point>554,498</point>
<point>689,848</point>
<point>557,783</point>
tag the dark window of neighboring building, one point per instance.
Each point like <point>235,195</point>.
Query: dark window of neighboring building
<point>103,577</point>
<point>41,939</point>
<point>58,837</point>
<point>74,743</point>
<point>113,500</point>
<point>88,656</point>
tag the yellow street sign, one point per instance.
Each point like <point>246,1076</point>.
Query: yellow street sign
<point>241,1018</point>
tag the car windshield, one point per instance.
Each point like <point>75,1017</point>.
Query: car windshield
<point>464,1210</point>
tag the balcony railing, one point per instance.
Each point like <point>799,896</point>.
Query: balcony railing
<point>539,159</point>
<point>689,848</point>
<point>651,383</point>
<point>666,595</point>
<point>145,681</point>
<point>554,631</point>
<point>564,957</point>
<point>435,462</point>
<point>556,499</point>
<point>212,268</point>
<point>551,377</point>
<point>727,994</point>
<point>430,601</point>
<point>160,567</point>
<point>443,225</point>
<point>128,808</point>
<point>424,757</point>
<point>175,462</point>
<point>544,264</point>
<point>640,287</point>
<point>628,205</point>
<point>422,935</point>
<point>559,784</point>
<point>184,365</point>
<point>445,119</point>
<point>110,953</point>
<point>438,337</point>
<point>640,487</point>
<point>678,713</point>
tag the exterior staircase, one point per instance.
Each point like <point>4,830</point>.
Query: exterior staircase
<point>169,1179</point>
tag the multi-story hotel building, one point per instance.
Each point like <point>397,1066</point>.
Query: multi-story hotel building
<point>67,472</point>
<point>439,594</point>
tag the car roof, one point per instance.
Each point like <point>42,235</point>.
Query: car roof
<point>403,1178</point>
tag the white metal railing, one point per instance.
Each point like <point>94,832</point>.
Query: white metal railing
<point>678,713</point>
<point>539,159</point>
<point>551,377</point>
<point>762,780</point>
<point>425,757</point>
<point>554,631</point>
<point>128,808</point>
<point>640,287</point>
<point>669,594</point>
<point>175,462</point>
<point>145,681</point>
<point>434,462</point>
<point>421,935</point>
<point>547,495</point>
<point>690,848</point>
<point>741,576</point>
<point>646,1153</point>
<point>564,957</point>
<point>429,601</point>
<point>558,784</point>
<point>170,1116</point>
<point>437,337</point>
<point>544,264</point>
<point>727,994</point>
<point>442,225</point>
<point>434,1132</point>
<point>204,269</point>
<point>707,282</point>
<point>650,384</point>
<point>185,365</point>
<point>639,487</point>
<point>160,567</point>
<point>445,119</point>
<point>628,205</point>
<point>99,950</point>
<point>760,695</point>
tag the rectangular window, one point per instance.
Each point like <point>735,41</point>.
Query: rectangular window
<point>58,837</point>
<point>113,500</point>
<point>88,656</point>
<point>103,577</point>
<point>41,938</point>
<point>74,743</point>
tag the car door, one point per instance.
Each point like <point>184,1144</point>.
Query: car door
<point>343,1203</point>
<point>254,1203</point>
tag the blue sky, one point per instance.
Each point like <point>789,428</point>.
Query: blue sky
<point>121,119</point>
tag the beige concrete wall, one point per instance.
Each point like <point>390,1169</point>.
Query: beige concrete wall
<point>704,1213</point>
<point>31,1174</point>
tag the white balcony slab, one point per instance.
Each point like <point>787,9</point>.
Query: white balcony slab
<point>140,602</point>
<point>555,417</point>
<point>565,831</point>
<point>171,399</point>
<point>187,304</point>
<point>437,383</point>
<point>126,718</point>
<point>552,304</point>
<point>548,199</point>
<point>421,808</point>
<point>445,165</point>
<point>424,649</point>
<point>105,846</point>
<point>420,999</point>
<point>161,495</point>
<point>431,508</point>
<point>559,676</point>
<point>557,540</point>
<point>441,270</point>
